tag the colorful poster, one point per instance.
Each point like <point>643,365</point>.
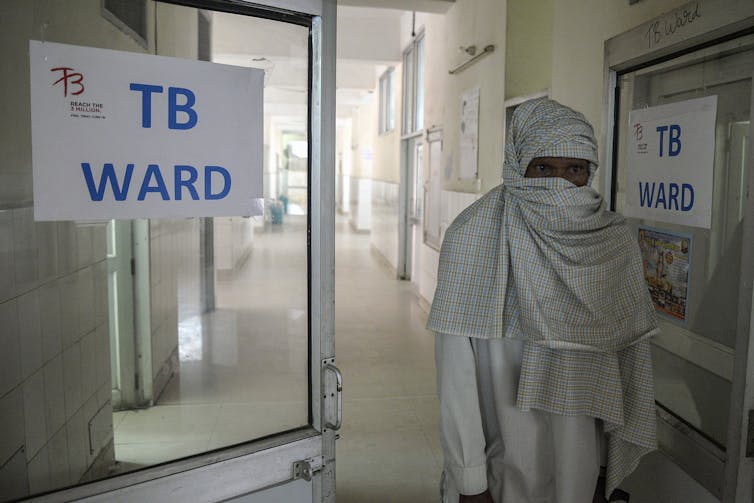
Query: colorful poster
<point>126,135</point>
<point>670,158</point>
<point>667,264</point>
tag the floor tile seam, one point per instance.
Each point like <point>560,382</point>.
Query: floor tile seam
<point>214,429</point>
<point>155,442</point>
<point>136,411</point>
<point>402,397</point>
<point>267,402</point>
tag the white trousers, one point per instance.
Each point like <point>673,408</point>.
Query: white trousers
<point>489,443</point>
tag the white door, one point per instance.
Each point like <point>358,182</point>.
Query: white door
<point>245,397</point>
<point>700,277</point>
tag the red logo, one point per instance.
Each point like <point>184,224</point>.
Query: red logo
<point>70,77</point>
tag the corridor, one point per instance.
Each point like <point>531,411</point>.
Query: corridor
<point>240,380</point>
<point>389,448</point>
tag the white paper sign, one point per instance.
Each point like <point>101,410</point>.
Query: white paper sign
<point>127,135</point>
<point>670,161</point>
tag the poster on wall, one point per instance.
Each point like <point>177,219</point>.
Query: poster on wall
<point>126,135</point>
<point>670,160</point>
<point>667,269</point>
<point>469,134</point>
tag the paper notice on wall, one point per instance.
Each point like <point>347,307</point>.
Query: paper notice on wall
<point>126,135</point>
<point>469,134</point>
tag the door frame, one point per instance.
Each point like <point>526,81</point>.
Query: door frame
<point>263,463</point>
<point>727,474</point>
<point>406,217</point>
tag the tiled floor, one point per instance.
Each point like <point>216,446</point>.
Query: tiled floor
<point>243,373</point>
<point>389,449</point>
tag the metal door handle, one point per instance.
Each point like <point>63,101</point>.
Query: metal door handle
<point>339,396</point>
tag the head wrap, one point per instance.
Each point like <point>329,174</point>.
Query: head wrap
<point>541,259</point>
<point>545,128</point>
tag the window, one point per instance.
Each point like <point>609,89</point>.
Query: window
<point>387,101</point>
<point>128,15</point>
<point>707,322</point>
<point>413,86</point>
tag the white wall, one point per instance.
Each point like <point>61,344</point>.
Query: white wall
<point>55,358</point>
<point>579,81</point>
<point>528,57</point>
<point>385,172</point>
<point>476,22</point>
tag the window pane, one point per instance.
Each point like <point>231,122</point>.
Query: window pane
<point>419,109</point>
<point>391,100</point>
<point>133,342</point>
<point>685,383</point>
<point>383,103</point>
<point>408,91</point>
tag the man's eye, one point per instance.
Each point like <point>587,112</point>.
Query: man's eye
<point>541,168</point>
<point>577,169</point>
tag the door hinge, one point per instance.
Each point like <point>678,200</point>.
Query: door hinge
<point>133,267</point>
<point>306,468</point>
<point>750,436</point>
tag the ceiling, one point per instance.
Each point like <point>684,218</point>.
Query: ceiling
<point>368,42</point>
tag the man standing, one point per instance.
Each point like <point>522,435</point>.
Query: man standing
<point>542,319</point>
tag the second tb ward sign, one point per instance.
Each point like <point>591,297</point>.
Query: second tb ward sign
<point>670,158</point>
<point>127,135</point>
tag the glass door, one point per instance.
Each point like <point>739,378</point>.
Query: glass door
<point>698,275</point>
<point>187,356</point>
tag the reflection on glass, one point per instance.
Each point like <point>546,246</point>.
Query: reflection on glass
<point>132,343</point>
<point>692,385</point>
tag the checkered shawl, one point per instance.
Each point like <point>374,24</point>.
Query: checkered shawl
<point>540,259</point>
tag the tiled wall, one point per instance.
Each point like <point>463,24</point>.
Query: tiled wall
<point>451,204</point>
<point>174,281</point>
<point>233,239</point>
<point>385,220</point>
<point>360,204</point>
<point>55,389</point>
<point>54,351</point>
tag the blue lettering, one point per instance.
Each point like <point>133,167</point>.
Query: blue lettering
<point>687,190</point>
<point>661,130</point>
<point>107,176</point>
<point>174,108</point>
<point>673,196</point>
<point>146,101</point>
<point>153,171</point>
<point>208,170</point>
<point>645,195</point>
<point>189,184</point>
<point>661,196</point>
<point>674,142</point>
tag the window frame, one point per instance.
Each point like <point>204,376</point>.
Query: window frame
<point>414,56</point>
<point>387,101</point>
